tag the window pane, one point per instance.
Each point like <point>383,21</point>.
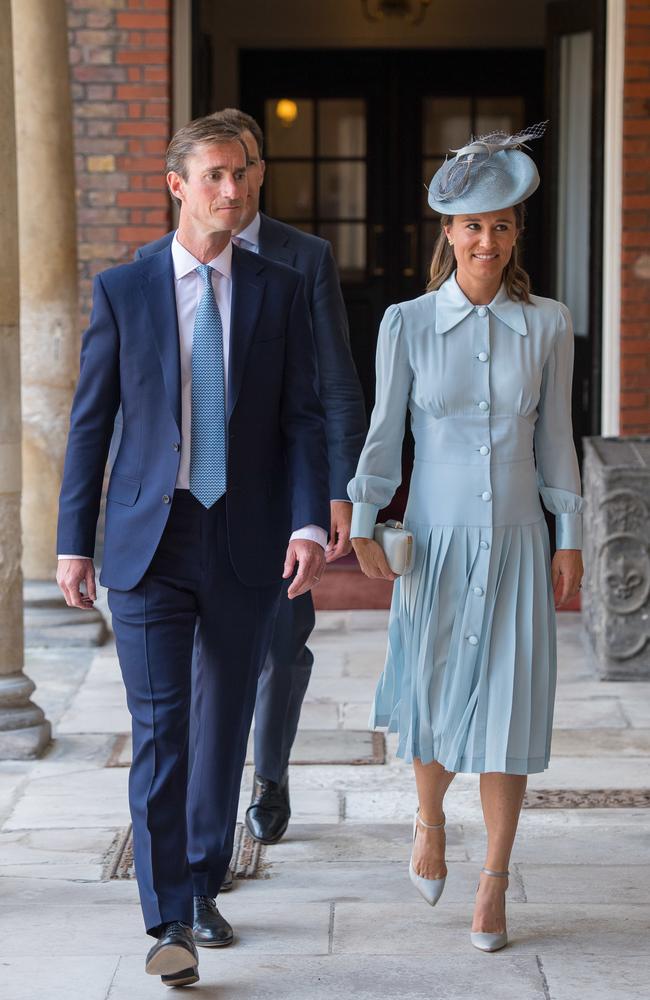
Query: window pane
<point>428,170</point>
<point>342,190</point>
<point>342,128</point>
<point>287,135</point>
<point>289,190</point>
<point>503,113</point>
<point>348,241</point>
<point>446,124</point>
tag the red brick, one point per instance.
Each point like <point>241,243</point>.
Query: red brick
<point>142,56</point>
<point>156,147</point>
<point>139,199</point>
<point>99,74</point>
<point>141,92</point>
<point>142,128</point>
<point>636,89</point>
<point>138,234</point>
<point>155,40</point>
<point>156,74</point>
<point>639,15</point>
<point>134,74</point>
<point>140,164</point>
<point>160,110</point>
<point>126,19</point>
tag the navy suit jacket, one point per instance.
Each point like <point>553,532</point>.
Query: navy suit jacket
<point>338,383</point>
<point>277,450</point>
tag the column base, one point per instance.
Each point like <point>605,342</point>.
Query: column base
<point>25,744</point>
<point>50,622</point>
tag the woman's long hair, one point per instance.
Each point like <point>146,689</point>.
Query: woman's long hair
<point>443,262</point>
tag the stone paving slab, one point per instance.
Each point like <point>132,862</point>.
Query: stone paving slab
<point>228,975</point>
<point>61,977</point>
<point>354,842</point>
<point>587,929</point>
<point>610,975</point>
<point>602,742</point>
<point>55,854</point>
<point>574,883</point>
<point>96,797</point>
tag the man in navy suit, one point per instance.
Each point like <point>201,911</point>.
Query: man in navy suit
<point>284,679</point>
<point>222,462</point>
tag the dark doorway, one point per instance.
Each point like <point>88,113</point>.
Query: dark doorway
<point>361,133</point>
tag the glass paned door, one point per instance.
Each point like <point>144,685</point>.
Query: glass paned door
<point>317,172</point>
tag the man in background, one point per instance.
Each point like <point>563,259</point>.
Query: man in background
<point>284,679</point>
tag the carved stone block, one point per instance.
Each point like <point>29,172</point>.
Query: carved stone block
<point>616,588</point>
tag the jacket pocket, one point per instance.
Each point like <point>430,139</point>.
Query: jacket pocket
<point>123,490</point>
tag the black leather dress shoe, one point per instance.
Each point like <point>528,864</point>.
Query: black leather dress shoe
<point>267,817</point>
<point>228,880</point>
<point>174,956</point>
<point>211,930</point>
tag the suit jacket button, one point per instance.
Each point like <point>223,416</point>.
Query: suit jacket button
<point>165,499</point>
<point>176,446</point>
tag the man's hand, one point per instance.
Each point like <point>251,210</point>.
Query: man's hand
<point>566,575</point>
<point>71,573</point>
<point>339,543</point>
<point>372,559</point>
<point>310,559</point>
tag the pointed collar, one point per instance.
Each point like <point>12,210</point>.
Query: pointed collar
<point>452,306</point>
<point>185,262</point>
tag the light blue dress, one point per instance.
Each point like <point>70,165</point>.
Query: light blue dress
<point>470,671</point>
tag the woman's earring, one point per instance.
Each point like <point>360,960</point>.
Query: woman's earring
<point>451,243</point>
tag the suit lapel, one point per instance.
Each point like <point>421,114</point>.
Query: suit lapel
<point>158,290</point>
<point>274,242</point>
<point>247,293</point>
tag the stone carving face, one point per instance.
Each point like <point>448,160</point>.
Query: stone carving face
<point>623,579</point>
<point>625,573</point>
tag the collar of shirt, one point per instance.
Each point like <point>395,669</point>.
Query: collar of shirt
<point>252,232</point>
<point>452,306</point>
<point>185,263</point>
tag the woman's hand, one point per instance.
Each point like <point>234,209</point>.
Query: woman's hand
<point>566,575</point>
<point>372,559</point>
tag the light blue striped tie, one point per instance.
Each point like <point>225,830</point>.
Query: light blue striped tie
<point>208,452</point>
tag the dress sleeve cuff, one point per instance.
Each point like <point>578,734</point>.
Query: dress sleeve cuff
<point>568,531</point>
<point>364,516</point>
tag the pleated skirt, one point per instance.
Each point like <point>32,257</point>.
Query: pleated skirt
<point>469,680</point>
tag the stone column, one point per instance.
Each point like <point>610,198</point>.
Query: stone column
<point>24,731</point>
<point>48,267</point>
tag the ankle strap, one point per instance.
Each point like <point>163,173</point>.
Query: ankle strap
<point>488,871</point>
<point>429,826</point>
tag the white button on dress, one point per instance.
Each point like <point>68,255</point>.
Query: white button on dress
<point>469,675</point>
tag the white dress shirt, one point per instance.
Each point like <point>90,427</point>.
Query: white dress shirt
<point>188,288</point>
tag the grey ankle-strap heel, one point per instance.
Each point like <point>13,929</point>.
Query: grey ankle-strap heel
<point>484,940</point>
<point>429,888</point>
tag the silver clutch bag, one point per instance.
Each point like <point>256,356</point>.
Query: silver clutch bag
<point>397,544</point>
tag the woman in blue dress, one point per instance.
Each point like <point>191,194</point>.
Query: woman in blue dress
<point>484,367</point>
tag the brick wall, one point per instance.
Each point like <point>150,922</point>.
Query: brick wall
<point>120,66</point>
<point>635,291</point>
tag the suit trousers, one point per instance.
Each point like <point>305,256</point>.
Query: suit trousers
<point>283,684</point>
<point>184,819</point>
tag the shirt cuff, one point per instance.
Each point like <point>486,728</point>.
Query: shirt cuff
<point>311,533</point>
<point>568,531</point>
<point>75,557</point>
<point>364,516</point>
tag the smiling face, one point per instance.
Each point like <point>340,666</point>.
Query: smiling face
<point>213,193</point>
<point>482,244</point>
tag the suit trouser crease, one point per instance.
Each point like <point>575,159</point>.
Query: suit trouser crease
<point>283,684</point>
<point>183,825</point>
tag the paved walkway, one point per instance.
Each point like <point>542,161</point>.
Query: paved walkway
<point>335,915</point>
